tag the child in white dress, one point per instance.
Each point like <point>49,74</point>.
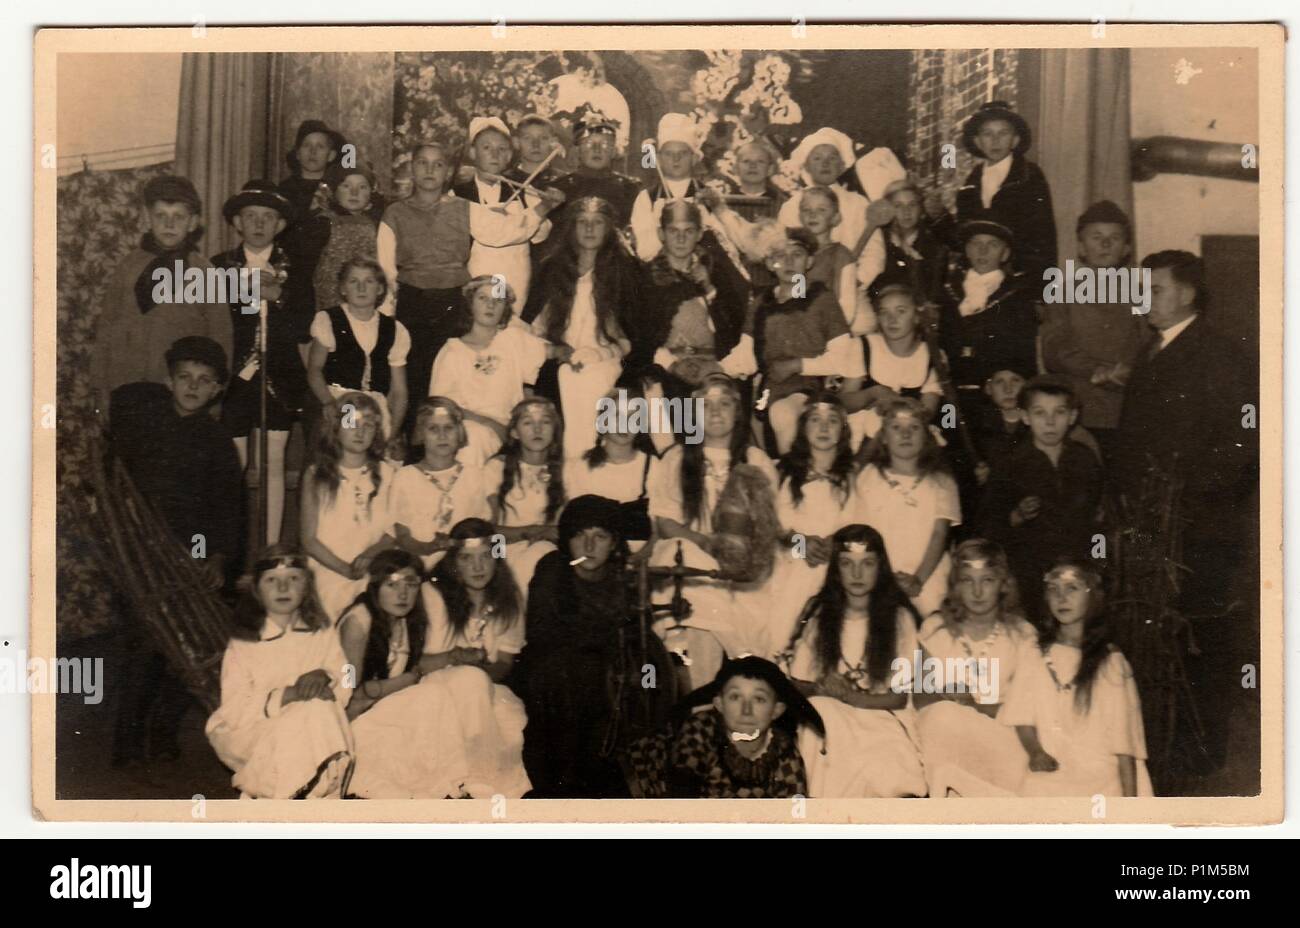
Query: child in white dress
<point>686,486</point>
<point>813,502</point>
<point>974,653</point>
<point>1077,711</point>
<point>905,493</point>
<point>444,727</point>
<point>897,361</point>
<point>844,653</point>
<point>486,370</point>
<point>582,317</point>
<point>345,495</point>
<point>525,485</point>
<point>281,724</point>
<point>436,492</point>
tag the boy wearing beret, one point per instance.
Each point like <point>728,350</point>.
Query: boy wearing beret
<point>1093,346</point>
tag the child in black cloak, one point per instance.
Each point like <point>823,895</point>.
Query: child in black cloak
<point>581,638</point>
<point>742,747</point>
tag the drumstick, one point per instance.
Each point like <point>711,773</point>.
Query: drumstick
<point>531,177</point>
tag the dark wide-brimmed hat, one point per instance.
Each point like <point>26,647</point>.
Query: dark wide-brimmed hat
<point>995,109</point>
<point>798,710</point>
<point>258,193</point>
<point>974,227</point>
<point>306,128</point>
<point>589,511</point>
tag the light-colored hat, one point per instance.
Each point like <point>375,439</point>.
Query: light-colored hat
<point>876,170</point>
<point>678,127</point>
<point>479,123</point>
<point>824,136</point>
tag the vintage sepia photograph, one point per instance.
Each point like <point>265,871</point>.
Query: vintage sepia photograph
<point>820,423</point>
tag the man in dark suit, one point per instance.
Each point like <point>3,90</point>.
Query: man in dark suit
<point>1187,410</point>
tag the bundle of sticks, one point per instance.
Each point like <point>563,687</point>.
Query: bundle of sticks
<point>166,588</point>
<point>1147,625</point>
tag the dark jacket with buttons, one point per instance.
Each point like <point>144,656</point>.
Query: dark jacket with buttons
<point>1023,204</point>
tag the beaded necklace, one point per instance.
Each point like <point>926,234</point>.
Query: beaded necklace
<point>907,492</point>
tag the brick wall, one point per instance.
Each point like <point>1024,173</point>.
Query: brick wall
<point>945,87</point>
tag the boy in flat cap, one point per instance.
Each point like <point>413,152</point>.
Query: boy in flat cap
<point>1093,346</point>
<point>144,308</point>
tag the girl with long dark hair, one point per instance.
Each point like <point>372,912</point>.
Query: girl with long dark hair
<point>813,500</point>
<point>851,653</point>
<point>1077,710</point>
<point>714,497</point>
<point>577,301</point>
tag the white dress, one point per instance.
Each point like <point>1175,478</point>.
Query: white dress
<point>913,372</point>
<point>1086,745</point>
<point>821,512</point>
<point>349,524</point>
<point>726,616</point>
<point>867,752</point>
<point>430,502</point>
<point>276,750</point>
<point>623,482</point>
<point>488,381</point>
<point>455,732</point>
<point>581,391</point>
<point>966,751</point>
<point>526,505</point>
<point>904,509</point>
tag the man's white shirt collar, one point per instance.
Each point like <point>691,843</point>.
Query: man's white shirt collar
<point>1169,334</point>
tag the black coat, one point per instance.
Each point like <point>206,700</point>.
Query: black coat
<point>1184,404</point>
<point>1024,205</point>
<point>1001,337</point>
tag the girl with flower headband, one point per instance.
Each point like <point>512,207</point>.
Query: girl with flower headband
<point>281,725</point>
<point>904,490</point>
<point>583,295</point>
<point>814,499</point>
<point>844,652</point>
<point>459,732</point>
<point>525,483</point>
<point>487,370</point>
<point>1076,709</point>
<point>439,489</point>
<point>715,499</point>
<point>979,643</point>
<point>345,494</point>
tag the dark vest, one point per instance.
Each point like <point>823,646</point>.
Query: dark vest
<point>346,365</point>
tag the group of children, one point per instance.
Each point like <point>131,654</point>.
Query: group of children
<point>883,472</point>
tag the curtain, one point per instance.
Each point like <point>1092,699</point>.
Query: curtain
<point>221,131</point>
<point>1082,133</point>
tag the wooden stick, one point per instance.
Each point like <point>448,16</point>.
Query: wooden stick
<point>533,176</point>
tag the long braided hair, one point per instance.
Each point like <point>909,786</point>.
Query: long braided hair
<point>512,453</point>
